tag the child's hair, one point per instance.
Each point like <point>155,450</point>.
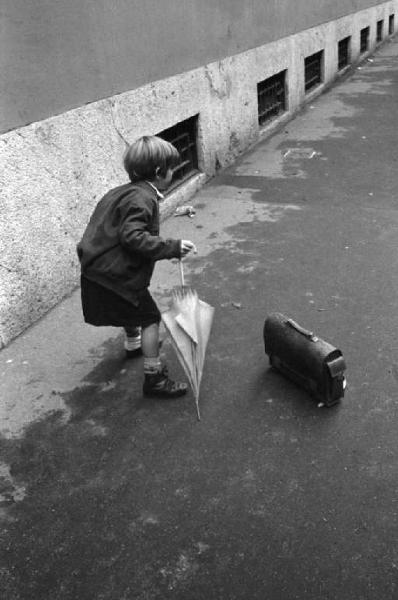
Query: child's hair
<point>149,156</point>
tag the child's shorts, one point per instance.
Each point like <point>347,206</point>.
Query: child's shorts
<point>102,307</point>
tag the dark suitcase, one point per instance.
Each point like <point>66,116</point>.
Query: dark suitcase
<point>304,358</point>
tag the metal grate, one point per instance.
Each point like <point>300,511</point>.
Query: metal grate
<point>364,39</point>
<point>379,31</point>
<point>313,70</point>
<point>183,136</point>
<point>391,24</point>
<point>344,53</point>
<point>271,96</point>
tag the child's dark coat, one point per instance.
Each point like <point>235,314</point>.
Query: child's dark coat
<point>121,243</point>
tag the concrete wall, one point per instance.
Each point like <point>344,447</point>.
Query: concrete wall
<point>57,55</point>
<point>55,170</point>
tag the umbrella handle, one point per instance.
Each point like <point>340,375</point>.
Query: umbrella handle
<point>181,273</point>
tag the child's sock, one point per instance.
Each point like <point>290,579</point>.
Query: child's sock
<point>133,340</point>
<point>152,365</point>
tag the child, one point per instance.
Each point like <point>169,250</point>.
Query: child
<point>118,252</point>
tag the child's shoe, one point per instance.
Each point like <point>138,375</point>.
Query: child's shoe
<point>159,384</point>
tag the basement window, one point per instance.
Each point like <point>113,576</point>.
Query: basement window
<point>344,53</point>
<point>379,31</point>
<point>183,136</point>
<point>364,46</point>
<point>391,24</point>
<point>271,96</point>
<point>313,70</point>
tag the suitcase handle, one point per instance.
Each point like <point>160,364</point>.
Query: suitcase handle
<point>308,334</point>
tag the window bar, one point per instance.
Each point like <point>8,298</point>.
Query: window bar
<point>343,53</point>
<point>379,34</point>
<point>364,39</point>
<point>183,137</point>
<point>313,71</point>
<point>271,97</point>
<point>391,24</point>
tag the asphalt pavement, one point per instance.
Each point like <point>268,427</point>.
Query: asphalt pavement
<point>105,495</point>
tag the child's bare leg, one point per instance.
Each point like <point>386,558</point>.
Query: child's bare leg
<point>150,341</point>
<point>132,331</point>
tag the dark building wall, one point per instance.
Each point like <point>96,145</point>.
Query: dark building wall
<point>57,55</point>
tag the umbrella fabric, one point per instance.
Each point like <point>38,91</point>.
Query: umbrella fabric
<point>188,322</point>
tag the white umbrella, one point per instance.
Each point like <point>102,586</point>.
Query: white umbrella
<point>188,322</point>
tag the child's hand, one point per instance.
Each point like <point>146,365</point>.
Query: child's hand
<point>187,246</point>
